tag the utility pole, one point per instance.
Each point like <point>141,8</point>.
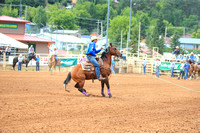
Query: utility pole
<point>101,29</point>
<point>129,31</point>
<point>98,27</point>
<point>107,22</point>
<point>139,38</point>
<point>20,10</point>
<point>165,32</point>
<point>184,31</point>
<point>25,12</point>
<point>121,39</point>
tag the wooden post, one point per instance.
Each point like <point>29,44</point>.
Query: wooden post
<point>4,61</point>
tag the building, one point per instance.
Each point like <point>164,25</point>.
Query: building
<point>15,28</point>
<point>190,43</point>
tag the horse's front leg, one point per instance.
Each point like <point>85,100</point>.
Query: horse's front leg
<point>26,66</point>
<point>102,89</point>
<point>108,86</point>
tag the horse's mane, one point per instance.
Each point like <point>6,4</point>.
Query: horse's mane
<point>103,55</point>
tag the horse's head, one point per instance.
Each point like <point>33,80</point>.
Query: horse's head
<point>114,51</point>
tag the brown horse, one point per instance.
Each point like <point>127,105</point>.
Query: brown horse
<point>194,68</point>
<point>79,75</point>
<point>52,63</point>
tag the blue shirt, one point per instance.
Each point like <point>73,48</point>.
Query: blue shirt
<point>192,57</point>
<point>186,66</point>
<point>199,60</point>
<point>172,64</point>
<point>92,49</point>
<point>37,59</point>
<point>144,63</point>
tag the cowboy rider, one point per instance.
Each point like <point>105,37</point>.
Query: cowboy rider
<point>31,50</point>
<point>91,54</point>
<point>55,54</point>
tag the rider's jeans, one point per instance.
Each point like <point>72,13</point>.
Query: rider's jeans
<point>95,63</point>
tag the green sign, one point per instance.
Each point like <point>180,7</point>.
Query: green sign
<point>9,26</point>
<point>68,62</point>
<point>166,66</point>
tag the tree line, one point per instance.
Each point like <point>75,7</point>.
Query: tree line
<point>155,16</point>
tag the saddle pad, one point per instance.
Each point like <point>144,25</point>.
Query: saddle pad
<point>87,66</point>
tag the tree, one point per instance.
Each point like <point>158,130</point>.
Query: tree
<point>40,16</point>
<point>8,11</point>
<point>175,41</point>
<point>196,34</point>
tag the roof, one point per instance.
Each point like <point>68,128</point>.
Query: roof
<point>8,41</point>
<point>189,41</point>
<point>64,38</point>
<point>11,19</point>
<point>27,38</point>
<point>66,31</point>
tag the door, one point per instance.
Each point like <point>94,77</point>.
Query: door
<point>34,46</point>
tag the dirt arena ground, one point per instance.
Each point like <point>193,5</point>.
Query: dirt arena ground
<point>37,102</point>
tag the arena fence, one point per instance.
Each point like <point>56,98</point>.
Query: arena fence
<point>131,64</point>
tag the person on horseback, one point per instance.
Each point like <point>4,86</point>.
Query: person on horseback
<point>55,54</point>
<point>91,54</point>
<point>31,50</point>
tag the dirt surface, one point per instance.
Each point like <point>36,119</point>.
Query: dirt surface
<point>37,102</point>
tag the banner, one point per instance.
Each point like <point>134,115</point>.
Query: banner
<point>68,62</point>
<point>9,26</point>
<point>166,66</point>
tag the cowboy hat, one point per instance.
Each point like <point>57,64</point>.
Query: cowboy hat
<point>177,46</point>
<point>192,53</point>
<point>94,38</point>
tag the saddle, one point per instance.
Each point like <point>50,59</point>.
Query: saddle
<point>88,66</point>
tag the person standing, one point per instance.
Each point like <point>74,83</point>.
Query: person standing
<point>31,50</point>
<point>38,63</point>
<point>83,59</point>
<point>186,68</point>
<point>176,52</point>
<point>8,50</point>
<point>157,64</point>
<point>20,59</point>
<point>198,62</point>
<point>91,54</point>
<point>172,68</point>
<point>144,64</point>
<point>182,73</point>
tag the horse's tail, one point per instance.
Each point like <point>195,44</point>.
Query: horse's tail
<point>67,80</point>
<point>15,60</point>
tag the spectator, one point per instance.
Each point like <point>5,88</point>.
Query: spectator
<point>112,66</point>
<point>198,62</point>
<point>8,50</point>
<point>185,57</point>
<point>83,59</point>
<point>1,50</point>
<point>50,49</point>
<point>182,73</point>
<point>123,56</point>
<point>186,68</point>
<point>195,59</point>
<point>20,59</point>
<point>192,56</point>
<point>172,68</point>
<point>38,63</point>
<point>157,64</point>
<point>181,57</point>
<point>176,52</point>
<point>31,50</point>
<point>144,64</point>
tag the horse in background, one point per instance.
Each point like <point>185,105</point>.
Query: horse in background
<point>79,75</point>
<point>26,60</point>
<point>52,63</point>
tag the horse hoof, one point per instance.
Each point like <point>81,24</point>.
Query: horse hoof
<point>110,96</point>
<point>65,88</point>
<point>103,95</point>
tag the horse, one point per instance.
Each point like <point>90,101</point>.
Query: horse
<point>25,61</point>
<point>79,75</point>
<point>194,68</point>
<point>52,63</point>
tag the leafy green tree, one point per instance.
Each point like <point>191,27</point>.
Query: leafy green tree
<point>40,16</point>
<point>175,41</point>
<point>196,34</point>
<point>30,13</point>
<point>8,11</point>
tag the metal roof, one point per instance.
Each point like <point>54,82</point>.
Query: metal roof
<point>189,41</point>
<point>27,38</point>
<point>11,19</point>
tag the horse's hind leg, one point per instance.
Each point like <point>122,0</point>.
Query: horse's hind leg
<point>108,86</point>
<point>102,89</point>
